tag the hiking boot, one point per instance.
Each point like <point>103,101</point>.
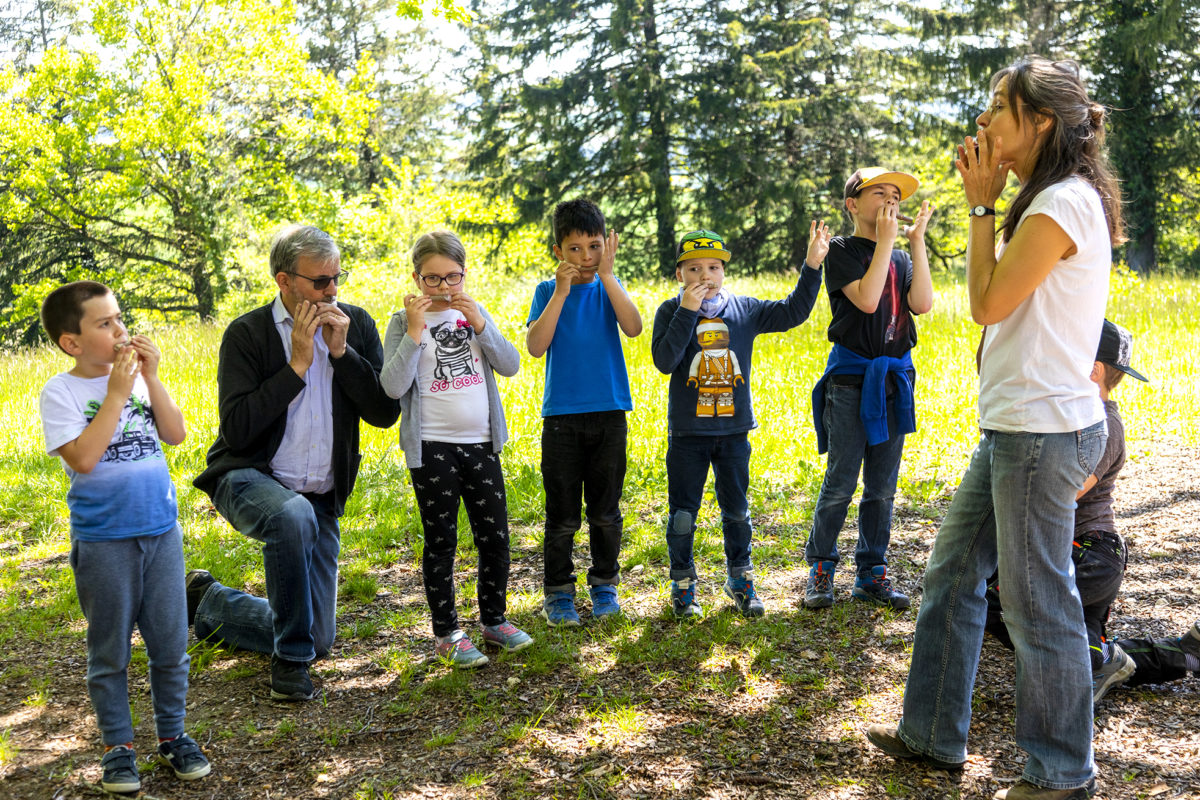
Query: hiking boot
<point>1024,790</point>
<point>457,650</point>
<point>878,589</point>
<point>559,609</point>
<point>683,599</point>
<point>741,591</point>
<point>195,585</point>
<point>819,591</point>
<point>1189,643</point>
<point>506,636</point>
<point>604,601</point>
<point>183,756</point>
<point>120,770</point>
<point>887,739</point>
<point>1115,670</point>
<point>289,680</point>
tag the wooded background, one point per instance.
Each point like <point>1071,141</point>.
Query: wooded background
<point>156,144</point>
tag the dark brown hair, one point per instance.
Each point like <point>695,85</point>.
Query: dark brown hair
<point>62,310</point>
<point>1073,146</point>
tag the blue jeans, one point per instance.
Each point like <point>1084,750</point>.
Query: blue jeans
<point>1029,481</point>
<point>583,459</point>
<point>120,583</point>
<point>849,454</point>
<point>300,545</point>
<point>688,458</point>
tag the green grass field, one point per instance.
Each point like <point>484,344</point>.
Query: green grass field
<point>380,525</point>
<point>382,535</point>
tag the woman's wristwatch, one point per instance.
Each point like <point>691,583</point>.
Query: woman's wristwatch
<point>982,211</point>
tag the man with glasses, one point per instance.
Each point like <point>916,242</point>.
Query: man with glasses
<point>294,378</point>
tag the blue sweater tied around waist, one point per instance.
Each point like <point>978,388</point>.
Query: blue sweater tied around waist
<point>873,408</point>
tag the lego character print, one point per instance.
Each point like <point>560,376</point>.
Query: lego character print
<point>714,371</point>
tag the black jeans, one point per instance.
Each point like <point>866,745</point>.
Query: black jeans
<point>583,460</point>
<point>1099,569</point>
<point>470,473</point>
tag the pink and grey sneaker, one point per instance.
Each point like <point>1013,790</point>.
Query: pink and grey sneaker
<point>457,650</point>
<point>506,636</point>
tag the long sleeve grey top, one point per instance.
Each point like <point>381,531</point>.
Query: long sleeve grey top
<point>399,379</point>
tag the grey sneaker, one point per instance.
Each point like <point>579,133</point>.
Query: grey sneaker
<point>457,650</point>
<point>741,591</point>
<point>878,589</point>
<point>819,591</point>
<point>120,770</point>
<point>683,599</point>
<point>1190,641</point>
<point>506,636</point>
<point>183,756</point>
<point>1115,670</point>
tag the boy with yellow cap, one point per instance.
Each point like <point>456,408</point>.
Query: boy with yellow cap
<point>703,338</point>
<point>863,404</point>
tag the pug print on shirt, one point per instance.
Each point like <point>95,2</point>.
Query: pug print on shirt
<point>454,404</point>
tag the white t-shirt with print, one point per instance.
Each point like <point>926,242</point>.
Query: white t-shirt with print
<point>129,492</point>
<point>1035,363</point>
<point>454,402</point>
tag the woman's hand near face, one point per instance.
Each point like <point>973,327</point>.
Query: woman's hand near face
<point>984,174</point>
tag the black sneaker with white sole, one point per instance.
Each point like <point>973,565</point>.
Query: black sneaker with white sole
<point>290,680</point>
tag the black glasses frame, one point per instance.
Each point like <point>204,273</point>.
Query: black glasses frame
<point>325,280</point>
<point>453,279</point>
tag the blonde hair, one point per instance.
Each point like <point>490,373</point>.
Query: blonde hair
<point>438,243</point>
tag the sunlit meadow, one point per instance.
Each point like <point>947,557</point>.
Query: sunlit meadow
<point>381,528</point>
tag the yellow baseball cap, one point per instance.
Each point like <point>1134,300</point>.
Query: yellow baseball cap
<point>872,176</point>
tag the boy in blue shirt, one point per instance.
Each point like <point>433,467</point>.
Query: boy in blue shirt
<point>704,339</point>
<point>863,404</point>
<point>574,321</point>
<point>104,418</point>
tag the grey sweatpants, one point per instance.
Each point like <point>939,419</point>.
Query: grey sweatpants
<point>121,583</point>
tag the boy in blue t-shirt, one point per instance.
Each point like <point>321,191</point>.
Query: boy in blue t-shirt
<point>104,418</point>
<point>704,339</point>
<point>574,320</point>
<point>863,403</point>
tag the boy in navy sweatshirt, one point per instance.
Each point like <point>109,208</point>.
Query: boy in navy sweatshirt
<point>704,338</point>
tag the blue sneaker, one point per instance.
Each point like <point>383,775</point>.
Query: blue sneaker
<point>559,609</point>
<point>184,757</point>
<point>120,771</point>
<point>683,599</point>
<point>878,590</point>
<point>819,591</point>
<point>741,592</point>
<point>604,601</point>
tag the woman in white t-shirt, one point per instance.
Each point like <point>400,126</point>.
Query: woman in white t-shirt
<point>440,356</point>
<point>1041,293</point>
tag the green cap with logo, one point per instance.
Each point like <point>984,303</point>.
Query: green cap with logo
<point>702,244</point>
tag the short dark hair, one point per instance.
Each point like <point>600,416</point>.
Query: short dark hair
<point>1112,376</point>
<point>62,310</point>
<point>580,215</point>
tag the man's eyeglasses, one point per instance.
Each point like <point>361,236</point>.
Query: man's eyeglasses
<point>325,280</point>
<point>453,279</point>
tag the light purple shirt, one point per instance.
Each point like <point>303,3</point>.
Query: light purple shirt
<point>304,460</point>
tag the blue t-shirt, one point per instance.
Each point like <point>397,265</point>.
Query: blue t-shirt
<point>129,492</point>
<point>585,367</point>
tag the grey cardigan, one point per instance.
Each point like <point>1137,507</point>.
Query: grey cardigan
<point>399,379</point>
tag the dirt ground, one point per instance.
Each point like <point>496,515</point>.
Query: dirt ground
<point>360,738</point>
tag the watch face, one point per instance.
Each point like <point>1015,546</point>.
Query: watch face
<point>978,211</point>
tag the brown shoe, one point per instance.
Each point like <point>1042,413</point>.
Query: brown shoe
<point>1024,790</point>
<point>887,739</point>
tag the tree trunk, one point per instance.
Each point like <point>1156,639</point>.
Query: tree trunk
<point>659,148</point>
